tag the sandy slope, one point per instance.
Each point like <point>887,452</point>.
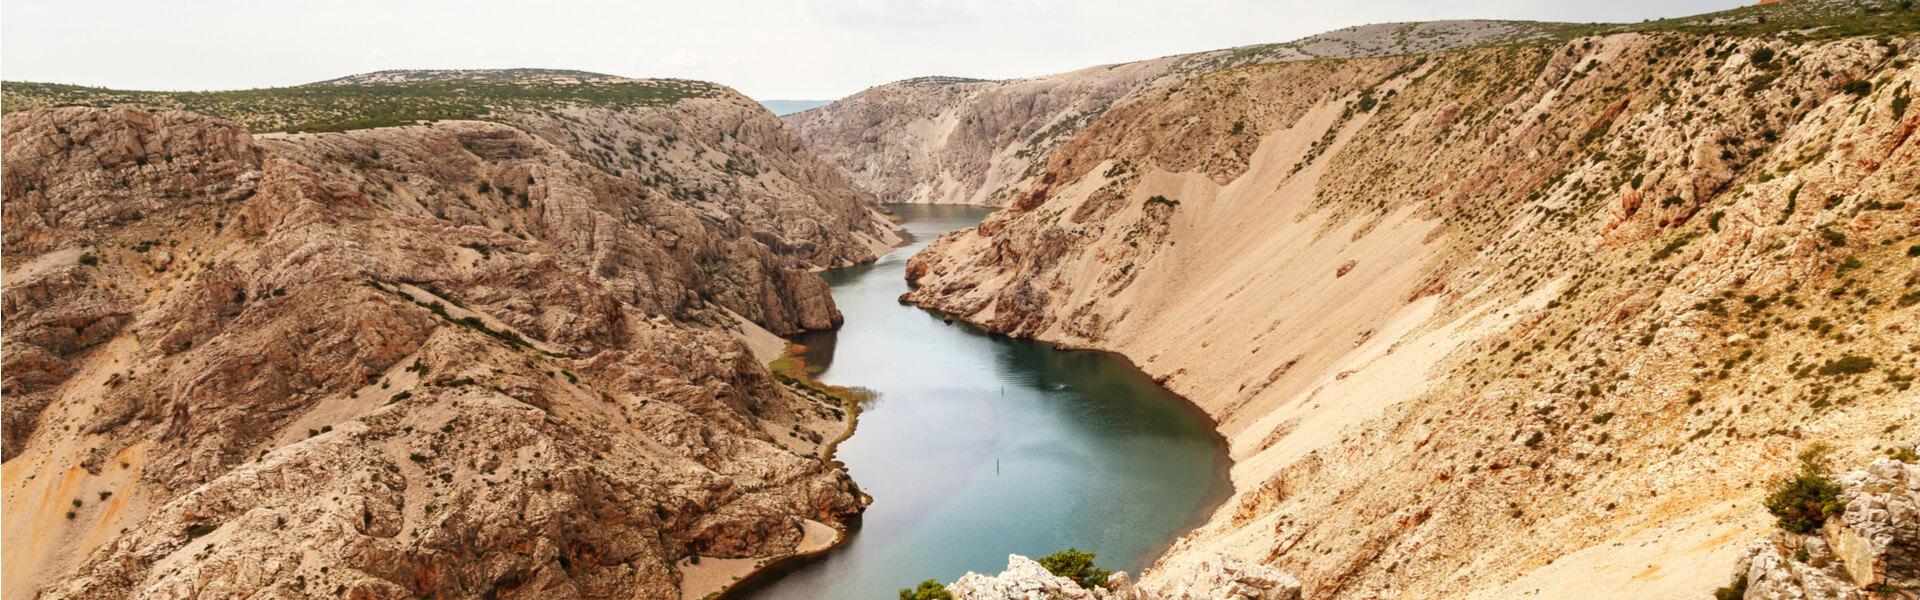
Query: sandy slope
<point>1497,336</point>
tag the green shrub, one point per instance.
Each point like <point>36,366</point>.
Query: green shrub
<point>926,590</point>
<point>1858,87</point>
<point>1733,591</point>
<point>199,529</point>
<point>87,259</point>
<point>1076,565</point>
<point>1803,502</point>
<point>1847,365</point>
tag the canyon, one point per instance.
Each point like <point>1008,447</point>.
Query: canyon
<point>1483,309</point>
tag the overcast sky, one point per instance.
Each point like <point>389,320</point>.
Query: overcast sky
<point>811,49</point>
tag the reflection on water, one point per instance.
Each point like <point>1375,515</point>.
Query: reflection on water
<point>983,446</point>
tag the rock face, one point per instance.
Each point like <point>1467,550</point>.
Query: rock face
<point>969,141</point>
<point>1217,578</point>
<point>459,359</point>
<point>1529,320</point>
<point>1872,550</point>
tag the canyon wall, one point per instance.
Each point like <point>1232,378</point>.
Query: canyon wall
<point>503,358</point>
<point>968,141</point>
<point>1538,320</point>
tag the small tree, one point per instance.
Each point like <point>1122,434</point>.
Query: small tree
<point>1076,565</point>
<point>926,590</point>
<point>1805,501</point>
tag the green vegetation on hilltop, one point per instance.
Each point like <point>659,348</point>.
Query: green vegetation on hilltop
<point>1798,19</point>
<point>1795,20</point>
<point>340,107</point>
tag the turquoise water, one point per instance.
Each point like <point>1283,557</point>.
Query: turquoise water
<point>981,446</point>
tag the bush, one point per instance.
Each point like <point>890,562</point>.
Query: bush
<point>1858,87</point>
<point>1076,565</point>
<point>926,590</point>
<point>1805,501</point>
<point>199,529</point>
<point>87,259</point>
<point>1733,591</point>
<point>1847,365</point>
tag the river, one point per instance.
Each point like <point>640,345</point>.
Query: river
<point>980,446</point>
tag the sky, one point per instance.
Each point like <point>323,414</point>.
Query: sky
<point>767,49</point>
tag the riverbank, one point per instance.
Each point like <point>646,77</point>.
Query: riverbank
<point>703,578</point>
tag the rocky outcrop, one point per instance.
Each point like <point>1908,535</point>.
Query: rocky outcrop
<point>1870,550</point>
<point>1218,578</point>
<point>969,141</point>
<point>453,359</point>
<point>1529,321</point>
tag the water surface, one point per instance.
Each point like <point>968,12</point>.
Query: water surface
<point>980,446</point>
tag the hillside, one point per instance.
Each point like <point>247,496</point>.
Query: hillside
<point>381,99</point>
<point>956,140</point>
<point>463,358</point>
<point>1521,320</point>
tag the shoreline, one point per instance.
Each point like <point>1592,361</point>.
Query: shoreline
<point>790,370</point>
<point>1212,504</point>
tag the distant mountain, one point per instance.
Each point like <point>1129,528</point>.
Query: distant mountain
<point>787,107</point>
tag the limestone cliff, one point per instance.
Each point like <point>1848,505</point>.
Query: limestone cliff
<point>1217,578</point>
<point>1531,320</point>
<point>499,358</point>
<point>1871,549</point>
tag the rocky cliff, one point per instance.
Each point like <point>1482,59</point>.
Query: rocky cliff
<point>1218,578</point>
<point>968,141</point>
<point>1530,320</point>
<point>498,358</point>
<point>1870,549</point>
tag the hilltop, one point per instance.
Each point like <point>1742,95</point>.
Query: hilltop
<point>381,99</point>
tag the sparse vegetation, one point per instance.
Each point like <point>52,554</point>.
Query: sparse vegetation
<point>323,107</point>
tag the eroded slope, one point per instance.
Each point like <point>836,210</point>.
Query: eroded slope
<point>1536,319</point>
<point>459,359</point>
<point>968,141</point>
